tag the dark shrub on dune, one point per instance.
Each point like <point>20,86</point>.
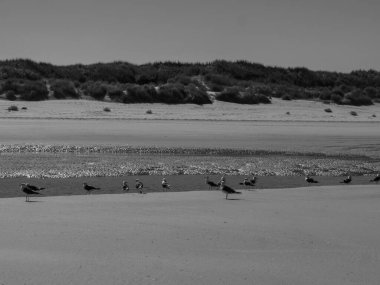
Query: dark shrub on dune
<point>115,93</point>
<point>139,94</point>
<point>34,91</point>
<point>325,96</point>
<point>249,96</point>
<point>229,95</point>
<point>27,89</point>
<point>63,89</point>
<point>95,90</point>
<point>372,92</point>
<point>286,97</point>
<point>337,99</point>
<point>218,79</point>
<point>196,95</point>
<point>172,94</point>
<point>12,108</point>
<point>353,113</point>
<point>356,98</point>
<point>180,94</point>
<point>10,95</point>
<point>182,79</point>
<point>216,87</point>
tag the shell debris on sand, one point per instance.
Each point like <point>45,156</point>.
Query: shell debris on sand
<point>64,161</point>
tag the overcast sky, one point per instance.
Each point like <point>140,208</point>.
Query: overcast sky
<point>340,35</point>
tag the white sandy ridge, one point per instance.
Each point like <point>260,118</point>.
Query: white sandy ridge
<point>321,235</point>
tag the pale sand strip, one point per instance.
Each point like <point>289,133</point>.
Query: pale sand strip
<point>315,235</point>
<point>299,110</point>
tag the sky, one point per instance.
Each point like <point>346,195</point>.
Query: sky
<point>335,35</point>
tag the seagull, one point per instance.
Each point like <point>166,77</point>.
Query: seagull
<point>253,180</point>
<point>30,190</point>
<point>210,183</point>
<point>376,179</point>
<point>246,182</point>
<point>228,190</point>
<point>347,180</point>
<point>89,188</point>
<point>308,179</point>
<point>139,186</point>
<point>165,184</point>
<point>125,186</point>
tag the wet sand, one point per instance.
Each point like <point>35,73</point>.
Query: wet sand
<point>311,235</point>
<point>10,187</point>
<point>361,138</point>
<point>323,235</point>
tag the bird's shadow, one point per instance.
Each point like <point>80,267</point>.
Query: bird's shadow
<point>35,201</point>
<point>234,199</point>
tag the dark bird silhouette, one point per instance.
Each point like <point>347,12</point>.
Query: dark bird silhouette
<point>376,179</point>
<point>30,190</point>
<point>139,186</point>
<point>309,179</point>
<point>165,185</point>
<point>211,184</point>
<point>253,180</point>
<point>89,188</point>
<point>347,180</point>
<point>228,190</point>
<point>246,182</point>
<point>125,186</point>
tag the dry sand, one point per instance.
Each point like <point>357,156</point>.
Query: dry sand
<point>300,110</point>
<point>321,235</point>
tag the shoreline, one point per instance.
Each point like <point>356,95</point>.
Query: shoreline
<point>190,120</point>
<point>9,187</point>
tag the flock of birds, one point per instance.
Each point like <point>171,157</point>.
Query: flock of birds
<point>221,185</point>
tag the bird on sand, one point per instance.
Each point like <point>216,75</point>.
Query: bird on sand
<point>347,180</point>
<point>309,179</point>
<point>228,190</point>
<point>139,186</point>
<point>125,186</point>
<point>253,180</point>
<point>210,184</point>
<point>376,179</point>
<point>246,182</point>
<point>165,184</point>
<point>89,188</point>
<point>30,190</point>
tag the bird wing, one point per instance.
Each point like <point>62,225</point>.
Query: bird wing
<point>29,191</point>
<point>88,187</point>
<point>32,187</point>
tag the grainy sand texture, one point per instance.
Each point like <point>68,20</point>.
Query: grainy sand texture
<point>299,110</point>
<point>314,235</point>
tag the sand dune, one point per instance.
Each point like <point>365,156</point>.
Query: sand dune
<point>314,235</point>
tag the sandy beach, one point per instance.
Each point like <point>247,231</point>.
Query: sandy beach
<point>315,235</point>
<point>299,110</point>
<point>310,235</point>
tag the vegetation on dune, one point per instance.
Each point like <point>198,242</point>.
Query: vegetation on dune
<point>174,82</point>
